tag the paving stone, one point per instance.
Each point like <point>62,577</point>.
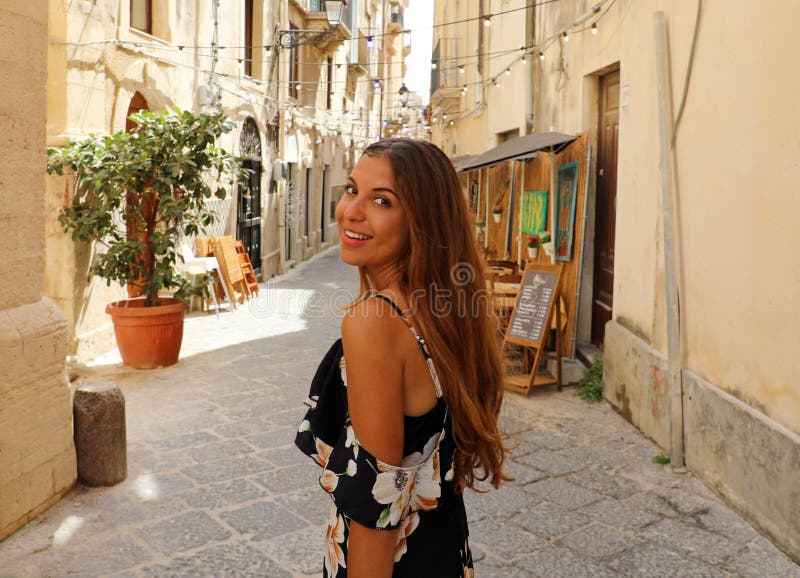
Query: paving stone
<point>724,522</point>
<point>180,533</point>
<point>762,560</point>
<point>220,450</point>
<point>620,515</point>
<point>504,502</point>
<point>546,439</point>
<point>312,504</point>
<point>491,567</point>
<point>226,469</point>
<point>563,493</point>
<point>262,520</point>
<point>554,463</point>
<point>556,561</point>
<point>231,559</point>
<point>606,483</point>
<point>550,521</point>
<point>649,559</point>
<point>272,439</point>
<point>285,480</point>
<point>502,539</point>
<point>240,429</point>
<point>184,441</point>
<point>282,457</point>
<point>670,502</point>
<point>693,540</point>
<point>598,541</point>
<point>522,473</point>
<point>302,551</point>
<point>224,494</point>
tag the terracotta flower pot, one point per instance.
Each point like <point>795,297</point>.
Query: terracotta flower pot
<point>148,337</point>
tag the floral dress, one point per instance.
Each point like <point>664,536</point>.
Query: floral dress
<point>417,497</point>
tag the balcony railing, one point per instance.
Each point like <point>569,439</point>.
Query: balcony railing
<point>445,56</point>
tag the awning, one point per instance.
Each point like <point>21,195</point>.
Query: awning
<point>519,148</point>
<point>461,160</point>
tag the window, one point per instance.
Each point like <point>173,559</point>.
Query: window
<point>329,95</point>
<point>248,37</point>
<point>507,135</point>
<point>308,203</point>
<point>142,15</point>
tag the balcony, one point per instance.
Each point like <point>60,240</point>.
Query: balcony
<point>445,79</point>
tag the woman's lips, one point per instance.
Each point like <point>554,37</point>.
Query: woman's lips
<point>352,242</point>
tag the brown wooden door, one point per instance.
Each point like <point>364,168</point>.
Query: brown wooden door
<point>606,206</point>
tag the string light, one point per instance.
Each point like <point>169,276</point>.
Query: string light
<point>434,65</point>
<point>376,83</point>
<point>370,41</point>
<point>594,28</point>
<point>541,55</point>
<point>564,36</point>
<point>496,83</point>
<point>464,89</point>
<point>508,71</point>
<point>444,116</point>
<point>487,20</point>
<point>461,69</point>
<point>523,59</point>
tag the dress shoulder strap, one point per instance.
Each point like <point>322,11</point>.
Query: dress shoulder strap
<point>420,341</point>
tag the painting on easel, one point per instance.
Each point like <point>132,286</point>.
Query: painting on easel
<point>533,219</point>
<point>566,196</point>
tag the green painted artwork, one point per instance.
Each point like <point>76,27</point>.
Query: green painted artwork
<point>534,212</point>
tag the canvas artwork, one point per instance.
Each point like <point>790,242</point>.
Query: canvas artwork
<point>566,196</point>
<point>534,212</point>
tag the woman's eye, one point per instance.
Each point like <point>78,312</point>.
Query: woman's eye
<point>350,190</point>
<point>383,201</point>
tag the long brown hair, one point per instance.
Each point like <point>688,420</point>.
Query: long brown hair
<point>445,274</point>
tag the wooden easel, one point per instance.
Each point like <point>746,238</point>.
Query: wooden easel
<point>530,324</point>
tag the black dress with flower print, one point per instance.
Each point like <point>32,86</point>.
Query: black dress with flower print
<point>417,497</point>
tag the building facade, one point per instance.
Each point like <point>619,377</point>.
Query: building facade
<point>37,455</point>
<point>688,275</point>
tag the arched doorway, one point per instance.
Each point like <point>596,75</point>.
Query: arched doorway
<point>248,218</point>
<point>138,102</point>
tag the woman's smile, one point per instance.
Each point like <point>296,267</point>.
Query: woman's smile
<point>354,239</point>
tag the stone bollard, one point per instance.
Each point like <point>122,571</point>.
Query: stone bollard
<point>100,443</point>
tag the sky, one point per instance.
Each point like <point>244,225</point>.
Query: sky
<point>418,19</point>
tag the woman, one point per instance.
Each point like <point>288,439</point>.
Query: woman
<point>410,419</point>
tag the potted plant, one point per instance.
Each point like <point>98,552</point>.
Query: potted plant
<point>497,212</point>
<point>533,246</point>
<point>136,194</point>
<point>480,225</point>
<point>545,243</point>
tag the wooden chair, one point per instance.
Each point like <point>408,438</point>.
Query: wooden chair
<point>246,265</point>
<point>224,250</point>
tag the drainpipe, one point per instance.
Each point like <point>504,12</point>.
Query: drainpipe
<point>574,345</point>
<point>530,35</point>
<point>667,161</point>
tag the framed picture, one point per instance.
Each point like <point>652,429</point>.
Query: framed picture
<point>566,196</point>
<point>533,219</point>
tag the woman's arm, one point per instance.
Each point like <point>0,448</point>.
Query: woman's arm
<point>370,338</point>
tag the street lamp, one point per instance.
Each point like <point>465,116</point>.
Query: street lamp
<point>293,38</point>
<point>403,94</point>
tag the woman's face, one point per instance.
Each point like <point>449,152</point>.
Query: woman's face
<point>373,226</point>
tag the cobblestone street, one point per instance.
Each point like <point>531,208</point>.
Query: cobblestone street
<point>216,487</point>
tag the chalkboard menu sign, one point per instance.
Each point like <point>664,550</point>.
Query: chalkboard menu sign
<point>534,304</point>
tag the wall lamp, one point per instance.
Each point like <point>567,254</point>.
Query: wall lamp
<point>293,38</point>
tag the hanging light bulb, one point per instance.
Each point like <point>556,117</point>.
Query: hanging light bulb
<point>433,118</point>
<point>594,28</point>
<point>564,36</point>
<point>451,123</point>
<point>434,65</point>
<point>508,71</point>
<point>487,20</point>
<point>496,83</point>
<point>444,116</point>
<point>541,55</point>
<point>461,69</point>
<point>464,89</point>
<point>524,58</point>
<point>376,83</point>
<point>370,41</point>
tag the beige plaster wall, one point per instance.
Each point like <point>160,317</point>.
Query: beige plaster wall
<point>37,456</point>
<point>737,167</point>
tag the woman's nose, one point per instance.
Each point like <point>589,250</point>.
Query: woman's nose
<point>353,209</point>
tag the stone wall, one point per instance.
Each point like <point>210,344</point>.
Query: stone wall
<point>37,456</point>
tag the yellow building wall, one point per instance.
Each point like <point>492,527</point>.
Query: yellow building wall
<point>736,153</point>
<point>37,455</point>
